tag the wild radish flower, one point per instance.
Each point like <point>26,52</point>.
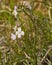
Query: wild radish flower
<point>15,11</point>
<point>19,32</point>
<point>13,36</point>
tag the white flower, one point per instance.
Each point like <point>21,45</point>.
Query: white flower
<point>15,11</point>
<point>19,32</point>
<point>13,36</point>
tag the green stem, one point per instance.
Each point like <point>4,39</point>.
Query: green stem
<point>35,37</point>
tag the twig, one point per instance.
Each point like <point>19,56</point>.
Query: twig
<point>26,55</point>
<point>46,54</point>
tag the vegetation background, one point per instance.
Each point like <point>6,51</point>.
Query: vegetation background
<point>35,19</point>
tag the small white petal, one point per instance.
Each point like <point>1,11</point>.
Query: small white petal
<point>19,35</point>
<point>13,36</point>
<point>15,7</point>
<point>22,33</point>
<point>19,29</point>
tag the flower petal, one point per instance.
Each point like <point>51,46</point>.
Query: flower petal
<point>15,7</point>
<point>19,29</point>
<point>22,32</point>
<point>19,35</point>
<point>13,36</point>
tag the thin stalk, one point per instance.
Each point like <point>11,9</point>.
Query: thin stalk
<point>35,37</point>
